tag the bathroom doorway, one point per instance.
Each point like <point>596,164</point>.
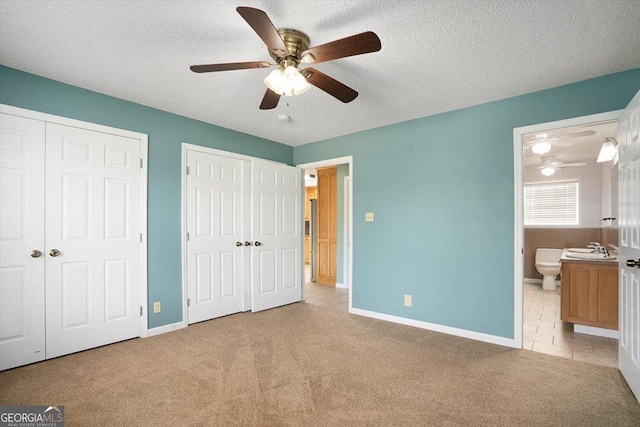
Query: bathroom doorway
<point>555,163</point>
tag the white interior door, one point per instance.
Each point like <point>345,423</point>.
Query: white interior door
<point>277,234</point>
<point>215,226</point>
<point>22,327</point>
<point>93,222</point>
<point>629,229</point>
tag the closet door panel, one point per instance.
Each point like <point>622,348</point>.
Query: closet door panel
<point>214,198</point>
<point>22,322</point>
<point>277,234</point>
<point>92,235</point>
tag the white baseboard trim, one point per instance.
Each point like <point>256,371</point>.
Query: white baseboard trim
<point>592,330</point>
<point>166,328</point>
<point>341,286</point>
<point>478,336</point>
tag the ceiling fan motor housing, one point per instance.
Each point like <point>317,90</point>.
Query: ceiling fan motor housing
<point>296,42</point>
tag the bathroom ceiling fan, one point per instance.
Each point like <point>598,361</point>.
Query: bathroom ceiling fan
<point>550,165</point>
<point>289,48</point>
<point>541,143</point>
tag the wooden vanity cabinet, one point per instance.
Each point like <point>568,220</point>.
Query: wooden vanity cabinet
<point>589,294</point>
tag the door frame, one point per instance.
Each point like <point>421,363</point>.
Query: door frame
<point>246,281</point>
<point>349,254</point>
<point>518,190</point>
<point>144,154</point>
<point>347,226</point>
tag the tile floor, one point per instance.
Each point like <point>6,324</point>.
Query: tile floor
<point>324,295</point>
<point>544,332</point>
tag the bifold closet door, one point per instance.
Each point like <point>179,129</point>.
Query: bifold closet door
<point>22,327</point>
<point>92,232</point>
<point>216,218</point>
<point>277,234</point>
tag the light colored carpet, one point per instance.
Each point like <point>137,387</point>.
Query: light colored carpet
<point>308,365</point>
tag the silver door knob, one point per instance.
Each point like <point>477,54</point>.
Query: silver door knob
<point>247,243</point>
<point>35,253</point>
<point>238,243</point>
<point>633,263</point>
<point>258,244</point>
<point>54,253</point>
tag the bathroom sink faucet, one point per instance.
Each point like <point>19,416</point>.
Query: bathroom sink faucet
<point>598,248</point>
<point>595,246</point>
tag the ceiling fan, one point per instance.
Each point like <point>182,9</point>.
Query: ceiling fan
<point>541,143</point>
<point>550,165</point>
<point>290,48</point>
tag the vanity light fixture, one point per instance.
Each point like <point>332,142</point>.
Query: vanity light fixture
<point>608,151</point>
<point>548,170</point>
<point>541,146</point>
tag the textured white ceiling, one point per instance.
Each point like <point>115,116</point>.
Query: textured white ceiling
<point>436,55</point>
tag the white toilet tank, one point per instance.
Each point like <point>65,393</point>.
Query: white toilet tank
<point>547,255</point>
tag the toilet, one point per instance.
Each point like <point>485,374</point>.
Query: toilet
<point>548,264</point>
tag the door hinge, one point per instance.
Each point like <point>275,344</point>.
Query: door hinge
<point>140,237</point>
<point>187,236</point>
<point>187,170</point>
<point>188,302</point>
<point>140,163</point>
<point>140,310</point>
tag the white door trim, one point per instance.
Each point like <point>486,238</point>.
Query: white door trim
<point>144,154</point>
<point>345,243</point>
<point>518,204</point>
<point>334,162</point>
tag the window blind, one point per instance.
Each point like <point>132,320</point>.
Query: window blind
<point>551,203</point>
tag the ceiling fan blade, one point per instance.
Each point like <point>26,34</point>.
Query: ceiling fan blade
<point>270,100</point>
<point>262,25</point>
<point>355,45</point>
<point>559,143</point>
<point>207,68</point>
<point>333,87</point>
<point>577,134</point>
<point>573,164</point>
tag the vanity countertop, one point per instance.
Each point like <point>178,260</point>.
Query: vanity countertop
<point>603,261</point>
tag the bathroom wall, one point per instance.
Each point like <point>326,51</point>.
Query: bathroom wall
<point>553,238</point>
<point>561,238</point>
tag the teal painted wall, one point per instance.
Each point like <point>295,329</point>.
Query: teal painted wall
<point>342,171</point>
<point>166,134</point>
<point>441,188</point>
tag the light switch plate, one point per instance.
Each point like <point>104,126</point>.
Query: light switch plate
<point>368,217</point>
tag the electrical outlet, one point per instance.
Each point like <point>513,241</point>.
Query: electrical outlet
<point>368,217</point>
<point>408,301</point>
<point>156,307</point>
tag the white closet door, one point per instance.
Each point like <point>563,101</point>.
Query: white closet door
<point>215,246</point>
<point>277,234</point>
<point>22,332</point>
<point>93,221</point>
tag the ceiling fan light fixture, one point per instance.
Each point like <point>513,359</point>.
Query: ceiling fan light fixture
<point>541,147</point>
<point>548,170</point>
<point>287,82</point>
<point>608,151</point>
